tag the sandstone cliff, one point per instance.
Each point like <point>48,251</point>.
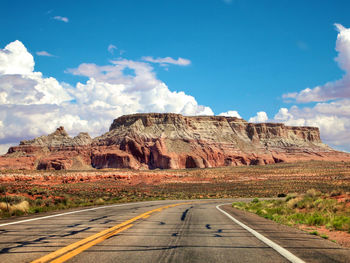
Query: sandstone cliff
<point>173,141</point>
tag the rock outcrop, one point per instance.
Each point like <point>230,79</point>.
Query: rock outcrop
<point>173,141</point>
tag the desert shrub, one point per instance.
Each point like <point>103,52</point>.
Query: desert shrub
<point>327,205</point>
<point>340,223</point>
<point>100,201</point>
<point>3,206</point>
<point>38,202</point>
<point>312,193</point>
<point>37,209</point>
<point>315,219</point>
<point>319,203</point>
<point>314,233</point>
<point>291,196</point>
<point>236,205</point>
<point>14,209</point>
<point>255,200</point>
<point>14,199</point>
<point>293,202</point>
<point>21,207</point>
<point>48,202</point>
<point>297,218</point>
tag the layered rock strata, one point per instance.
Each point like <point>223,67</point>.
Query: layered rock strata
<point>173,141</point>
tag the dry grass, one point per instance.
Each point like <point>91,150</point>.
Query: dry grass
<point>22,207</point>
<point>14,209</point>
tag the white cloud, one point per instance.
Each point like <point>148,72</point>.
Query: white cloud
<point>31,105</point>
<point>168,60</point>
<point>4,147</point>
<point>140,92</point>
<point>44,54</point>
<point>19,84</point>
<point>230,113</point>
<point>144,77</point>
<point>334,89</point>
<point>61,18</point>
<point>261,116</point>
<point>111,48</point>
<point>333,119</point>
<point>15,59</point>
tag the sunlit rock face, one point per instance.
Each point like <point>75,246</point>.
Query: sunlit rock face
<point>173,141</point>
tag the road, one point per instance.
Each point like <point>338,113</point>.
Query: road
<point>158,231</point>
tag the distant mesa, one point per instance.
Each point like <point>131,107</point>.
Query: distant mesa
<point>172,141</point>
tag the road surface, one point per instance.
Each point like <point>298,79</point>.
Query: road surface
<point>158,231</point>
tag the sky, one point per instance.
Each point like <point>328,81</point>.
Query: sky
<point>81,64</point>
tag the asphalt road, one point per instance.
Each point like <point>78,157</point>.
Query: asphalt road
<point>141,232</point>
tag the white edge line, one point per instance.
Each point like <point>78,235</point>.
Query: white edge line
<point>284,252</point>
<point>73,212</point>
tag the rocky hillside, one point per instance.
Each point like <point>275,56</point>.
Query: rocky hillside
<point>172,141</point>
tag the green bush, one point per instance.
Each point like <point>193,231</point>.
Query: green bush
<point>315,220</point>
<point>314,233</point>
<point>340,223</point>
<point>297,218</point>
<point>312,208</point>
<point>255,200</point>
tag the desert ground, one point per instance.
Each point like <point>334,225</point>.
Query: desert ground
<point>45,190</point>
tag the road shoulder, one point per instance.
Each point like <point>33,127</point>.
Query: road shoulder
<point>305,246</point>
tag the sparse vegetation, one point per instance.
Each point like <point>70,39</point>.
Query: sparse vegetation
<point>312,208</point>
<point>52,190</point>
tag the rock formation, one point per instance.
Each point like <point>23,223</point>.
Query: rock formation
<point>172,141</point>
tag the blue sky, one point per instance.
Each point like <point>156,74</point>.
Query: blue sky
<point>244,55</point>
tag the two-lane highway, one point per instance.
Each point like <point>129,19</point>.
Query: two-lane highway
<point>159,231</point>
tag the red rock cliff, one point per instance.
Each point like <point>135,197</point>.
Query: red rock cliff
<point>173,141</point>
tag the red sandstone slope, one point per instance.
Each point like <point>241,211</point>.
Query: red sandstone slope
<point>148,141</point>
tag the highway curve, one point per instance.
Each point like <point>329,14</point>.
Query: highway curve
<point>160,231</point>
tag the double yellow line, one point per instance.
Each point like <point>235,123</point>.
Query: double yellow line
<point>74,249</point>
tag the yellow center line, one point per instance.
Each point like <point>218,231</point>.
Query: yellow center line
<point>77,251</point>
<point>75,247</point>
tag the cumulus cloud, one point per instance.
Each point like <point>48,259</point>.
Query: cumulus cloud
<point>168,60</point>
<point>139,92</point>
<point>44,54</point>
<point>32,105</point>
<point>19,84</point>
<point>261,116</point>
<point>333,119</point>
<point>231,113</point>
<point>111,48</point>
<point>334,89</point>
<point>61,18</point>
<point>15,59</point>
